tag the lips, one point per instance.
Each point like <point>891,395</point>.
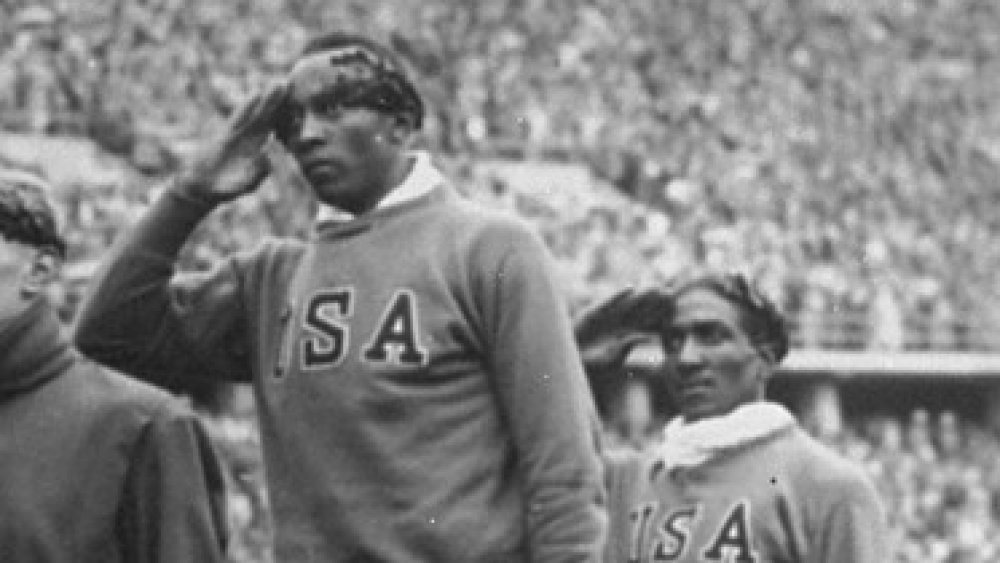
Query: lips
<point>321,167</point>
<point>694,387</point>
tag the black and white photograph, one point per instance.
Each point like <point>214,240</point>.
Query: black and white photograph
<point>499,281</point>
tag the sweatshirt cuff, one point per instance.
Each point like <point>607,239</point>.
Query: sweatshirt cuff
<point>170,221</point>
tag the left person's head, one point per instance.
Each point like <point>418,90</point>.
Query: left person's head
<point>348,119</point>
<point>31,248</point>
<point>722,339</point>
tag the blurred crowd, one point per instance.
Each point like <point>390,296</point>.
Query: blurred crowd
<point>939,477</point>
<point>846,153</point>
<point>937,473</point>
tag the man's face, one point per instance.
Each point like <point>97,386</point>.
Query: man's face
<point>712,366</point>
<point>346,153</point>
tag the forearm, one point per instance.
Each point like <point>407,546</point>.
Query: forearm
<point>129,298</point>
<point>169,222</point>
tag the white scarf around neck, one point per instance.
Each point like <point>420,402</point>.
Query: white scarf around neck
<point>686,445</point>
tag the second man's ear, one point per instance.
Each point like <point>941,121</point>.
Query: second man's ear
<point>402,127</point>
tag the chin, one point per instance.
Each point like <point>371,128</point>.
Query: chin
<point>343,204</point>
<point>701,413</point>
<point>332,197</point>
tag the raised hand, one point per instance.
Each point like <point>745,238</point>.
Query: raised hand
<point>609,330</point>
<point>236,163</point>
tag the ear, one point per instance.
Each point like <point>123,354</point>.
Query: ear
<point>765,371</point>
<point>400,129</point>
<point>766,351</point>
<point>41,270</point>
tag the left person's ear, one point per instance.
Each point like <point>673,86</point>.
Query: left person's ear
<point>41,271</point>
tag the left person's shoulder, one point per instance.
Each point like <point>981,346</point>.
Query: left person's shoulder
<point>126,401</point>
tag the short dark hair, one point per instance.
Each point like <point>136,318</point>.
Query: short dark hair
<point>399,94</point>
<point>26,216</point>
<point>760,318</point>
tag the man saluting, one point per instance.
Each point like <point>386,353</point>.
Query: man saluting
<point>419,390</point>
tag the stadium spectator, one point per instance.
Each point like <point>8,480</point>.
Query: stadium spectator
<point>94,466</point>
<point>787,95</point>
<point>734,477</point>
<point>417,379</point>
<point>938,481</point>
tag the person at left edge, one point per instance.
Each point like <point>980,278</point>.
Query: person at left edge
<point>95,467</point>
<point>420,395</point>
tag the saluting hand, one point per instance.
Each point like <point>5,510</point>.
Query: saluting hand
<point>609,330</point>
<point>236,163</point>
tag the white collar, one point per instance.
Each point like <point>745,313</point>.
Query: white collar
<point>423,177</point>
<point>687,445</point>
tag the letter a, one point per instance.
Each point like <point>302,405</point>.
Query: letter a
<point>734,535</point>
<point>397,333</point>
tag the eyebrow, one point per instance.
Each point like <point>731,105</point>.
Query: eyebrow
<point>699,325</point>
<point>323,94</point>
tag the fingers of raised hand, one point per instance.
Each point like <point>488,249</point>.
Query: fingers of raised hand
<point>271,103</point>
<point>608,309</point>
<point>632,309</point>
<point>256,117</point>
<point>243,117</point>
<point>648,310</point>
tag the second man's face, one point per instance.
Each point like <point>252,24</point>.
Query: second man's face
<point>345,153</point>
<point>712,366</point>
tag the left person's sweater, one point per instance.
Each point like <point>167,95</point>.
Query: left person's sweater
<point>94,466</point>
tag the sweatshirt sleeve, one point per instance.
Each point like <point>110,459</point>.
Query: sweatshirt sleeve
<point>546,400</point>
<point>854,528</point>
<point>174,498</point>
<point>139,318</point>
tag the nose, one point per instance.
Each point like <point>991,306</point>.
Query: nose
<point>309,133</point>
<point>311,129</point>
<point>689,353</point>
